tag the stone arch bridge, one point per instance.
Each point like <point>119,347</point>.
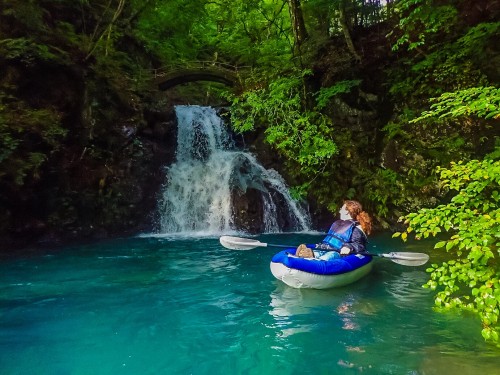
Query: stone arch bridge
<point>170,76</point>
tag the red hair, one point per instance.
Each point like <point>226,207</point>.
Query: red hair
<point>356,211</point>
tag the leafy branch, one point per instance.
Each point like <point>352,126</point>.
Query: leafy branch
<point>483,102</point>
<point>470,221</point>
<point>299,134</point>
<point>471,281</point>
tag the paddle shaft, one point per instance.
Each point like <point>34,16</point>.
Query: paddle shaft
<point>407,259</point>
<point>265,244</point>
<point>381,255</point>
<point>319,248</point>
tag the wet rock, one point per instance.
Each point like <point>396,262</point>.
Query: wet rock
<point>248,210</point>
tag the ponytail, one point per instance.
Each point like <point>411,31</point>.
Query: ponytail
<point>365,221</point>
<point>356,211</point>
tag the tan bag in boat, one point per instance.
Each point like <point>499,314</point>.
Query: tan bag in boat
<point>304,252</point>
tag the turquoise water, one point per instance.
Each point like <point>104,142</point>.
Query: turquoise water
<point>153,305</point>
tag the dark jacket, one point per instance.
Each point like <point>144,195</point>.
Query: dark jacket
<point>358,241</point>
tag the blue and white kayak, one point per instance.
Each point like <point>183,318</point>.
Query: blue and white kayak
<point>317,273</point>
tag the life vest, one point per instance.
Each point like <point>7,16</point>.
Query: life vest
<point>340,232</point>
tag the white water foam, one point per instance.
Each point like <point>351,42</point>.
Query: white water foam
<point>197,194</point>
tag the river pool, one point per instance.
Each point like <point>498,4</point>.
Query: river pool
<point>186,305</point>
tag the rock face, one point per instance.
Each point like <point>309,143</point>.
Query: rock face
<point>104,179</point>
<point>248,210</point>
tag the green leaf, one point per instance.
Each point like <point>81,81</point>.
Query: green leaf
<point>440,244</point>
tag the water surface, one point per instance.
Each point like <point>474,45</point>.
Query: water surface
<point>159,305</point>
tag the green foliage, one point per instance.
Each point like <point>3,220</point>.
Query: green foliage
<point>471,221</point>
<point>413,152</point>
<point>298,134</point>
<point>418,19</point>
<point>27,137</point>
<point>325,94</point>
<point>450,65</point>
<point>25,50</point>
<point>166,29</point>
<point>476,39</point>
<point>447,132</point>
<point>448,60</point>
<point>254,33</point>
<point>382,187</point>
<point>29,14</point>
<point>495,154</point>
<point>427,77</point>
<point>451,56</point>
<point>477,101</point>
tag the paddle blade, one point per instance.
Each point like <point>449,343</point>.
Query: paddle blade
<point>238,243</point>
<point>407,259</point>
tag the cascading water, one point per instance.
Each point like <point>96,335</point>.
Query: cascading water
<point>208,173</point>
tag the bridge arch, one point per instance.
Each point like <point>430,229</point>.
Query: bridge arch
<point>194,75</point>
<point>167,78</point>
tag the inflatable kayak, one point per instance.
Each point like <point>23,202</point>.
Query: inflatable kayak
<point>316,273</point>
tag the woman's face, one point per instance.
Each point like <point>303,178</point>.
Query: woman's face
<point>344,214</point>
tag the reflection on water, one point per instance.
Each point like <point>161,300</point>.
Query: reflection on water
<point>288,303</point>
<point>406,288</point>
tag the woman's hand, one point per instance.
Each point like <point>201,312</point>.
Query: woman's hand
<point>345,250</point>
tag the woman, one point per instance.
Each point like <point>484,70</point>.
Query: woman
<point>346,235</point>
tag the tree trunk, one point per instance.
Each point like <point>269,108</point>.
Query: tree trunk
<point>345,30</point>
<point>298,24</point>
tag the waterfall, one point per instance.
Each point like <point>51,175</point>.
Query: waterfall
<point>210,175</point>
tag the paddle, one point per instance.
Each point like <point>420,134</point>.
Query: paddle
<point>406,259</point>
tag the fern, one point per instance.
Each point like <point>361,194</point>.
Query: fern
<point>325,94</point>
